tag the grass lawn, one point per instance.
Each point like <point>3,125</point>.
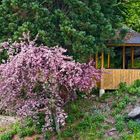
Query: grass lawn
<point>92,118</point>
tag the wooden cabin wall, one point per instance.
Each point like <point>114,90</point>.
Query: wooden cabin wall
<point>111,78</point>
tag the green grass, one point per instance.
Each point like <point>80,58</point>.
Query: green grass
<point>18,129</point>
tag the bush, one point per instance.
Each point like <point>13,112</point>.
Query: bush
<point>132,89</point>
<point>37,79</point>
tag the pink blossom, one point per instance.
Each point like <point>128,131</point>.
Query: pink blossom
<point>36,79</point>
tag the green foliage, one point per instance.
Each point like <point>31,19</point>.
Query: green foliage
<point>6,136</point>
<point>134,126</point>
<point>26,128</point>
<point>28,122</point>
<point>78,25</point>
<point>122,87</point>
<point>131,89</point>
<point>134,88</point>
<point>132,13</point>
<point>3,56</point>
<point>26,131</point>
<point>136,63</point>
<point>40,122</point>
<point>120,124</point>
<point>67,133</point>
<point>120,103</point>
<point>126,136</point>
<point>136,83</point>
<point>76,110</point>
<point>90,123</point>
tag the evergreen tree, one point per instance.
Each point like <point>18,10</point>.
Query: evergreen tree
<point>81,26</point>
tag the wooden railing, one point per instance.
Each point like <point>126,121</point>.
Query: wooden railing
<point>111,78</point>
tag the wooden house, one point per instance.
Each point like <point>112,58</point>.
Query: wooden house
<point>129,49</point>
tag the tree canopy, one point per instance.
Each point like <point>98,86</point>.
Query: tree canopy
<point>81,26</point>
<point>133,15</point>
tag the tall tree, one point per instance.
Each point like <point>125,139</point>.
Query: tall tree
<point>132,13</point>
<point>81,26</point>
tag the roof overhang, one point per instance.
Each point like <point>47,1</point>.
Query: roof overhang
<point>124,44</point>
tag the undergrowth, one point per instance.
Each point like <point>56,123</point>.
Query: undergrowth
<point>87,118</point>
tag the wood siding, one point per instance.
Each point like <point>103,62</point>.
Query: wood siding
<point>111,78</point>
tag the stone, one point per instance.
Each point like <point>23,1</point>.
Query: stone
<point>7,120</point>
<point>111,132</point>
<point>101,92</point>
<point>135,112</point>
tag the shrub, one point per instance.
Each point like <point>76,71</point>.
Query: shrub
<point>38,79</point>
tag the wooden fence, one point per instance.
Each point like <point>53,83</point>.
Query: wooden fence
<point>111,78</point>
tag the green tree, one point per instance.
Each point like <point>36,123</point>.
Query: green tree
<point>81,26</point>
<point>132,14</point>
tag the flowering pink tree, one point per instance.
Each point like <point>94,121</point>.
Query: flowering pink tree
<point>40,79</point>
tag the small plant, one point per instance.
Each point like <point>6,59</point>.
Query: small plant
<point>85,123</point>
<point>9,135</point>
<point>67,133</point>
<point>133,89</point>
<point>120,124</point>
<point>6,136</point>
<point>126,136</point>
<point>26,132</point>
<point>28,122</point>
<point>133,126</point>
<point>122,87</point>
<point>136,83</point>
<point>121,105</point>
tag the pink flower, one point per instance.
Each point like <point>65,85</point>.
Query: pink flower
<point>39,78</point>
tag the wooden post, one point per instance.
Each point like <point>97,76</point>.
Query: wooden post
<point>102,91</point>
<point>123,53</point>
<point>102,59</point>
<point>108,61</point>
<point>96,60</point>
<point>132,57</point>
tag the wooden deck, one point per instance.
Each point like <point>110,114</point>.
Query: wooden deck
<point>113,77</point>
